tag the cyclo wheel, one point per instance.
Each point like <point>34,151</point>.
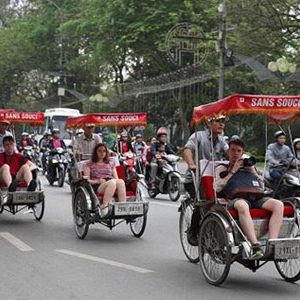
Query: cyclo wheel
<point>38,210</point>
<point>174,189</point>
<point>214,250</point>
<point>288,269</point>
<point>138,226</point>
<point>81,215</point>
<point>191,252</point>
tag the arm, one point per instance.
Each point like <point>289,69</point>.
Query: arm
<point>115,174</point>
<point>270,156</point>
<point>188,157</point>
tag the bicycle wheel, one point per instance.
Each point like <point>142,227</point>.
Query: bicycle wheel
<point>191,252</point>
<point>38,210</point>
<point>138,226</point>
<point>81,215</point>
<point>214,250</point>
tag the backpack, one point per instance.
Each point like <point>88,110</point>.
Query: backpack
<point>245,185</point>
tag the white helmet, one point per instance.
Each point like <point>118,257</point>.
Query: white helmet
<point>295,141</point>
<point>25,133</point>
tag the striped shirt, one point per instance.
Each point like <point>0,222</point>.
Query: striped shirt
<point>100,170</point>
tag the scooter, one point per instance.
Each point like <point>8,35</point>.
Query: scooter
<point>168,178</point>
<point>57,165</point>
<point>289,184</point>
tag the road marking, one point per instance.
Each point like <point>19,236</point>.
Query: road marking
<point>104,261</point>
<point>163,204</point>
<point>16,242</point>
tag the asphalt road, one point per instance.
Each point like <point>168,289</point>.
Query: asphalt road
<point>45,260</point>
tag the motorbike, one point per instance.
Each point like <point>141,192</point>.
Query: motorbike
<point>168,179</point>
<point>57,165</point>
<point>129,160</point>
<point>289,184</point>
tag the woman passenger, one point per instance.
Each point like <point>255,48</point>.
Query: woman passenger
<point>103,177</point>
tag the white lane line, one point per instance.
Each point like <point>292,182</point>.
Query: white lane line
<point>163,204</point>
<point>16,242</point>
<point>104,261</point>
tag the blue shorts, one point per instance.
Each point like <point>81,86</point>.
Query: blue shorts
<point>252,204</point>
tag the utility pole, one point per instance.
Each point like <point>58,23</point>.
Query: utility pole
<point>222,48</point>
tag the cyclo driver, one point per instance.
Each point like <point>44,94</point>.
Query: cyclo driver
<point>214,126</point>
<point>86,142</point>
<point>161,136</point>
<point>240,183</point>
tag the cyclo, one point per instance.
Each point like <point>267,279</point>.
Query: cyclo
<point>21,199</point>
<point>221,241</point>
<point>85,200</point>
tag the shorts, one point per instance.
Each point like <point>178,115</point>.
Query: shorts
<point>252,204</point>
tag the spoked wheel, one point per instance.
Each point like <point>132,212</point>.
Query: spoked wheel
<point>174,189</point>
<point>214,250</point>
<point>191,252</point>
<point>289,269</point>
<point>38,210</point>
<point>81,215</point>
<point>138,226</point>
<point>61,176</point>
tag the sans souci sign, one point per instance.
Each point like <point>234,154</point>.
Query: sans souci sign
<point>23,117</point>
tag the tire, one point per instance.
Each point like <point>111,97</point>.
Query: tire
<point>61,176</point>
<point>214,250</point>
<point>152,193</point>
<point>191,252</point>
<point>138,226</point>
<point>81,215</point>
<point>174,189</point>
<point>289,269</point>
<point>38,210</point>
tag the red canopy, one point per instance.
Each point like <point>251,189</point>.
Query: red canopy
<point>280,108</point>
<point>108,119</point>
<point>34,118</point>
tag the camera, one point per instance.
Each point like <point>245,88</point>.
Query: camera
<point>249,161</point>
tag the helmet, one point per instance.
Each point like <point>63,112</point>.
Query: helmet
<point>124,133</point>
<point>25,133</point>
<point>55,130</point>
<point>279,133</point>
<point>161,131</point>
<point>138,135</point>
<point>295,141</point>
<point>234,137</point>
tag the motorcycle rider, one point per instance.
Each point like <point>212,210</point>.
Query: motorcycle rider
<point>296,145</point>
<point>278,155</point>
<point>123,145</point>
<point>54,143</point>
<point>215,127</point>
<point>24,142</point>
<point>161,136</point>
<point>86,142</point>
<point>44,146</point>
<point>140,148</point>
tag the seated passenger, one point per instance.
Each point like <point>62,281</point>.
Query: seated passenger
<point>14,167</point>
<point>103,177</point>
<point>296,145</point>
<point>231,179</point>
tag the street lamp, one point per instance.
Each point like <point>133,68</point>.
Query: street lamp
<point>61,89</point>
<point>282,67</point>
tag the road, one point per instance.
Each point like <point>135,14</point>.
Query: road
<point>45,260</point>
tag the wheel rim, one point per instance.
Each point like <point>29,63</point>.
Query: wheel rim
<point>137,225</point>
<point>174,188</point>
<point>80,214</point>
<point>289,269</point>
<point>191,252</point>
<point>214,251</point>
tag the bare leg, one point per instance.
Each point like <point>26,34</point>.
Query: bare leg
<point>5,174</point>
<point>121,190</point>
<point>276,207</point>
<point>25,174</point>
<point>245,220</point>
<point>108,188</point>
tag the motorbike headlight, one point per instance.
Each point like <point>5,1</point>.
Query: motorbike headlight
<point>293,180</point>
<point>54,161</point>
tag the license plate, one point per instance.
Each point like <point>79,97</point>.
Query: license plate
<point>287,250</point>
<point>129,209</point>
<point>25,198</point>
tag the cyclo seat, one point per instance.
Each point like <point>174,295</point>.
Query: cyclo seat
<point>21,184</point>
<point>207,185</point>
